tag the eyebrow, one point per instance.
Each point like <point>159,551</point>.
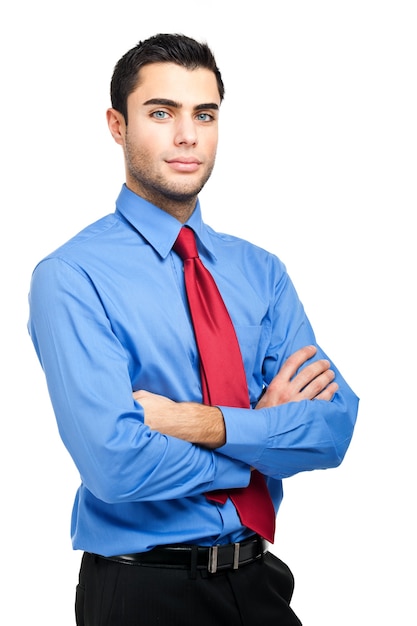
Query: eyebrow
<point>178,105</point>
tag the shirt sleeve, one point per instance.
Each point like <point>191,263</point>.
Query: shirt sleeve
<point>87,371</point>
<point>298,436</point>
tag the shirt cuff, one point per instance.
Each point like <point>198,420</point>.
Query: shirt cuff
<point>230,473</point>
<point>246,434</point>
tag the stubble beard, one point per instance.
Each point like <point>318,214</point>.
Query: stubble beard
<point>155,188</point>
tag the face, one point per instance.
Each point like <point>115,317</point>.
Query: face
<point>170,140</point>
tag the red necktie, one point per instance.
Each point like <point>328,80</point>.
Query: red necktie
<point>222,375</point>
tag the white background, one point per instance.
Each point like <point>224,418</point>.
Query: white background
<point>317,163</point>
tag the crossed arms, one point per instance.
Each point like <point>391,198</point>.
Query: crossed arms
<point>204,425</point>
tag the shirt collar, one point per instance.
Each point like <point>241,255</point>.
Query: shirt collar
<point>159,228</point>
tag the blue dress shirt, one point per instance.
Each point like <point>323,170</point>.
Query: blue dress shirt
<point>108,315</point>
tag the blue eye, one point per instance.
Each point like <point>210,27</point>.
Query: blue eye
<point>204,117</point>
<point>159,115</point>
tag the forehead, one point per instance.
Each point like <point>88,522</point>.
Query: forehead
<point>175,82</point>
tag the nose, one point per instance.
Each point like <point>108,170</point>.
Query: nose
<point>185,131</point>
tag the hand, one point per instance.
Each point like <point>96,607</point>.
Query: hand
<point>314,382</point>
<point>155,405</point>
<point>197,423</point>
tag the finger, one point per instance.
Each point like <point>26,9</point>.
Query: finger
<point>317,385</point>
<point>140,394</point>
<point>328,393</point>
<point>310,372</point>
<point>295,361</point>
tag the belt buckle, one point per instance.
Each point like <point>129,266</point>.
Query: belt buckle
<point>236,550</point>
<point>212,562</point>
<point>213,557</point>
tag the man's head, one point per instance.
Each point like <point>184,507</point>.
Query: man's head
<point>166,95</point>
<point>162,48</point>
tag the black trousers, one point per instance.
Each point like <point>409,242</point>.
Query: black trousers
<point>118,594</point>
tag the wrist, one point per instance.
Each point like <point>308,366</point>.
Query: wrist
<point>203,424</point>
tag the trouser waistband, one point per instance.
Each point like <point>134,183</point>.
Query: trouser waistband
<point>213,558</point>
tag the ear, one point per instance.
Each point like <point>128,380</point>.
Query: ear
<point>117,125</point>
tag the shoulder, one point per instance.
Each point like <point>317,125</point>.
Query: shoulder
<point>86,243</point>
<point>244,251</point>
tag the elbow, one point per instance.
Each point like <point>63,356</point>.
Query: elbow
<point>114,483</point>
<point>108,492</point>
<point>340,429</point>
<point>336,451</point>
<point>108,489</point>
<point>336,454</point>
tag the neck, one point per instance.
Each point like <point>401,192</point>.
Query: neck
<point>180,209</point>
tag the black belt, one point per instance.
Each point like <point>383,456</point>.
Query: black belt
<point>214,558</point>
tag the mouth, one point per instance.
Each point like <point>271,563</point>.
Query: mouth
<point>184,164</point>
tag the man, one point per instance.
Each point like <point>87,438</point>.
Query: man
<point>111,322</point>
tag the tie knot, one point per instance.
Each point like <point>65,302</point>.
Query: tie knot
<point>185,245</point>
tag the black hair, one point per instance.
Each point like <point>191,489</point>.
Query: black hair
<point>162,48</point>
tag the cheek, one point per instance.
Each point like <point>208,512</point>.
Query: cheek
<point>213,150</point>
<point>210,143</point>
<point>143,150</point>
<point>146,139</point>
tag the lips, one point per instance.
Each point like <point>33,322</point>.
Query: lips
<point>184,164</point>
